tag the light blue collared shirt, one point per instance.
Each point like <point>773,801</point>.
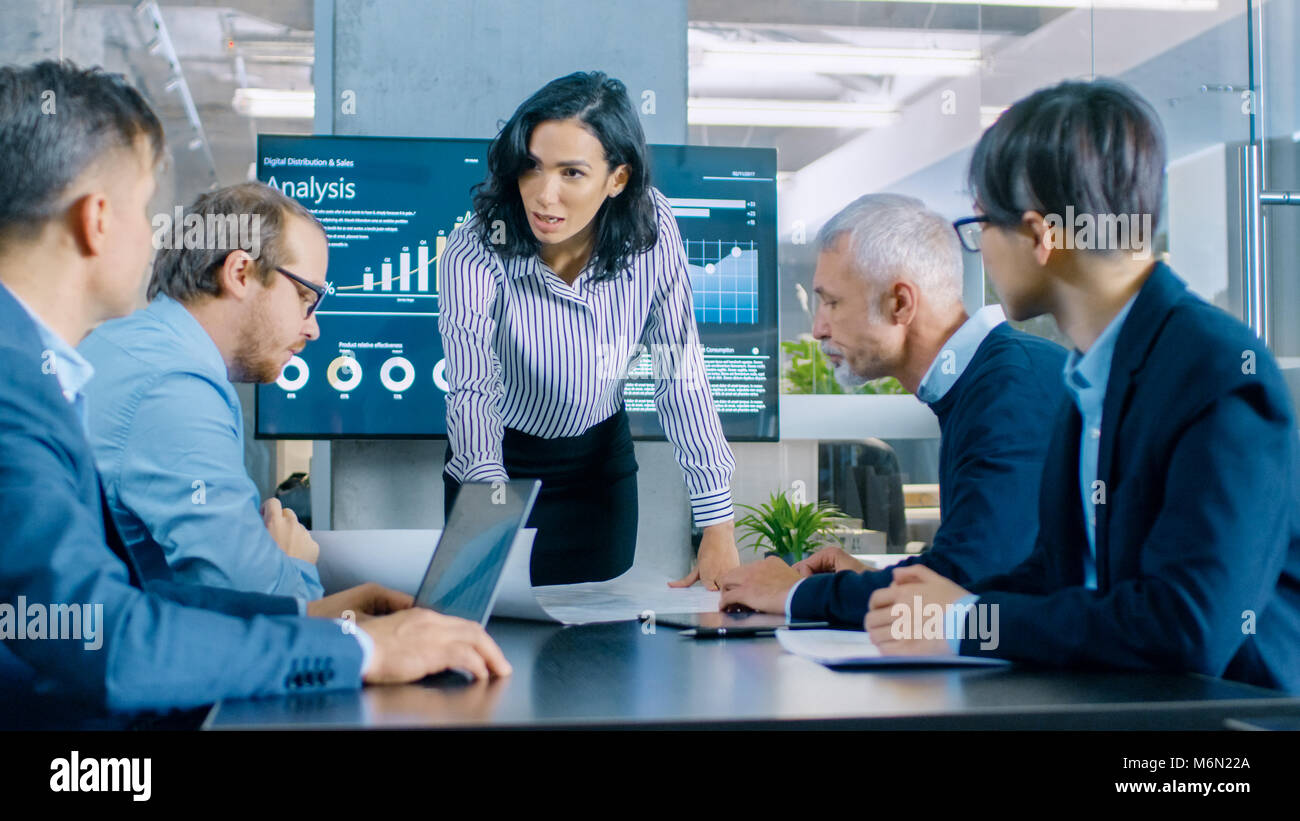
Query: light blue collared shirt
<point>61,359</point>
<point>167,431</point>
<point>946,369</point>
<point>1086,376</point>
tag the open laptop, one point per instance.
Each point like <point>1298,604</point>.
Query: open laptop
<point>464,574</point>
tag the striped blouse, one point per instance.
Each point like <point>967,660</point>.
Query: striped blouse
<point>526,351</point>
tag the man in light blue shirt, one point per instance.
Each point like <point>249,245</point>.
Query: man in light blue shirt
<point>165,421</point>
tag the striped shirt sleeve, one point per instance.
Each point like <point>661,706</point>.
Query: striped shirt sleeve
<point>682,395</point>
<point>468,287</point>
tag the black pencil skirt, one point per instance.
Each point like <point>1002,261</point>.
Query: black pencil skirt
<point>586,512</point>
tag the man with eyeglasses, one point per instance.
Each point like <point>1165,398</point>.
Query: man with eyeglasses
<point>165,421</point>
<point>1169,535</point>
<point>888,285</point>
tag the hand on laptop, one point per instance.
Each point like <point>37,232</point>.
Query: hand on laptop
<point>761,586</point>
<point>828,560</point>
<point>367,599</point>
<point>288,532</point>
<point>414,643</point>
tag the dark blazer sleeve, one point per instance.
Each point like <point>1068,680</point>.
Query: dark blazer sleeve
<point>990,514</point>
<point>148,652</point>
<point>1030,576</point>
<point>1216,550</point>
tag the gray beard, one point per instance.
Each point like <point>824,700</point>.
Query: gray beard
<point>847,377</point>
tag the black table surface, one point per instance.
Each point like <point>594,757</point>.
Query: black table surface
<point>619,675</point>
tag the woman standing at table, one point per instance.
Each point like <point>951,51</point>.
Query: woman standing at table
<point>569,262</point>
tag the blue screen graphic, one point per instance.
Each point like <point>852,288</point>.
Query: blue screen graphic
<point>388,206</point>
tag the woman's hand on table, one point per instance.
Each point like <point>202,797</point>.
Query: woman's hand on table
<point>717,555</point>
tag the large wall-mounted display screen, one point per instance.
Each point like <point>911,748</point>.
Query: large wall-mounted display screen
<point>389,205</point>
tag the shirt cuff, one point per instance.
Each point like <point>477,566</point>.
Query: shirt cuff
<point>310,577</point>
<point>363,638</point>
<point>712,507</point>
<point>789,600</point>
<point>302,605</point>
<point>955,621</point>
<point>484,472</point>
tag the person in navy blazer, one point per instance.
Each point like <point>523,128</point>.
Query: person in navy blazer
<point>889,303</point>
<point>74,247</point>
<point>1170,508</point>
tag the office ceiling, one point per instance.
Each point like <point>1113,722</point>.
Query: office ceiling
<point>739,51</point>
<point>267,44</point>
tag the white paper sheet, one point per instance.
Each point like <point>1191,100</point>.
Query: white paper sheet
<point>624,598</point>
<point>854,648</point>
<point>399,559</point>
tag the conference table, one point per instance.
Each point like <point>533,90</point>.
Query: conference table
<point>624,674</point>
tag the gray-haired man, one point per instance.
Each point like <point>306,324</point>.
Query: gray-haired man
<point>888,283</point>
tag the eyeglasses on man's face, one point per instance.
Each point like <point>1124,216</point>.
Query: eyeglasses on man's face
<point>319,290</point>
<point>970,230</point>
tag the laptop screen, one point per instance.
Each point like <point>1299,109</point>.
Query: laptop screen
<point>466,566</point>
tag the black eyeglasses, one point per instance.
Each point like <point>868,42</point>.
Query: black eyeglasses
<point>969,230</point>
<point>319,290</point>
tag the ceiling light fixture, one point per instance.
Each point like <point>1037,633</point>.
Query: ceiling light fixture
<point>275,102</point>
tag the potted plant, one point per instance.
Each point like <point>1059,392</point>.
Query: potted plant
<point>787,530</point>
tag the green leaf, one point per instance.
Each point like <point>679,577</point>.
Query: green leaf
<point>786,528</point>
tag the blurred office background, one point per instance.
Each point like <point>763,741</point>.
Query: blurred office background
<point>858,96</point>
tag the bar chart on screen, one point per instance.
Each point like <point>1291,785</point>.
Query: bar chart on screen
<point>410,274</point>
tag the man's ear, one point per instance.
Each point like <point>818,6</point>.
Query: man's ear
<point>1045,236</point>
<point>88,221</point>
<point>903,296</point>
<point>237,275</point>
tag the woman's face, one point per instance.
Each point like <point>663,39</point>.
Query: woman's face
<point>568,182</point>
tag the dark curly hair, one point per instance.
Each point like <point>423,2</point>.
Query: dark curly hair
<point>625,225</point>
